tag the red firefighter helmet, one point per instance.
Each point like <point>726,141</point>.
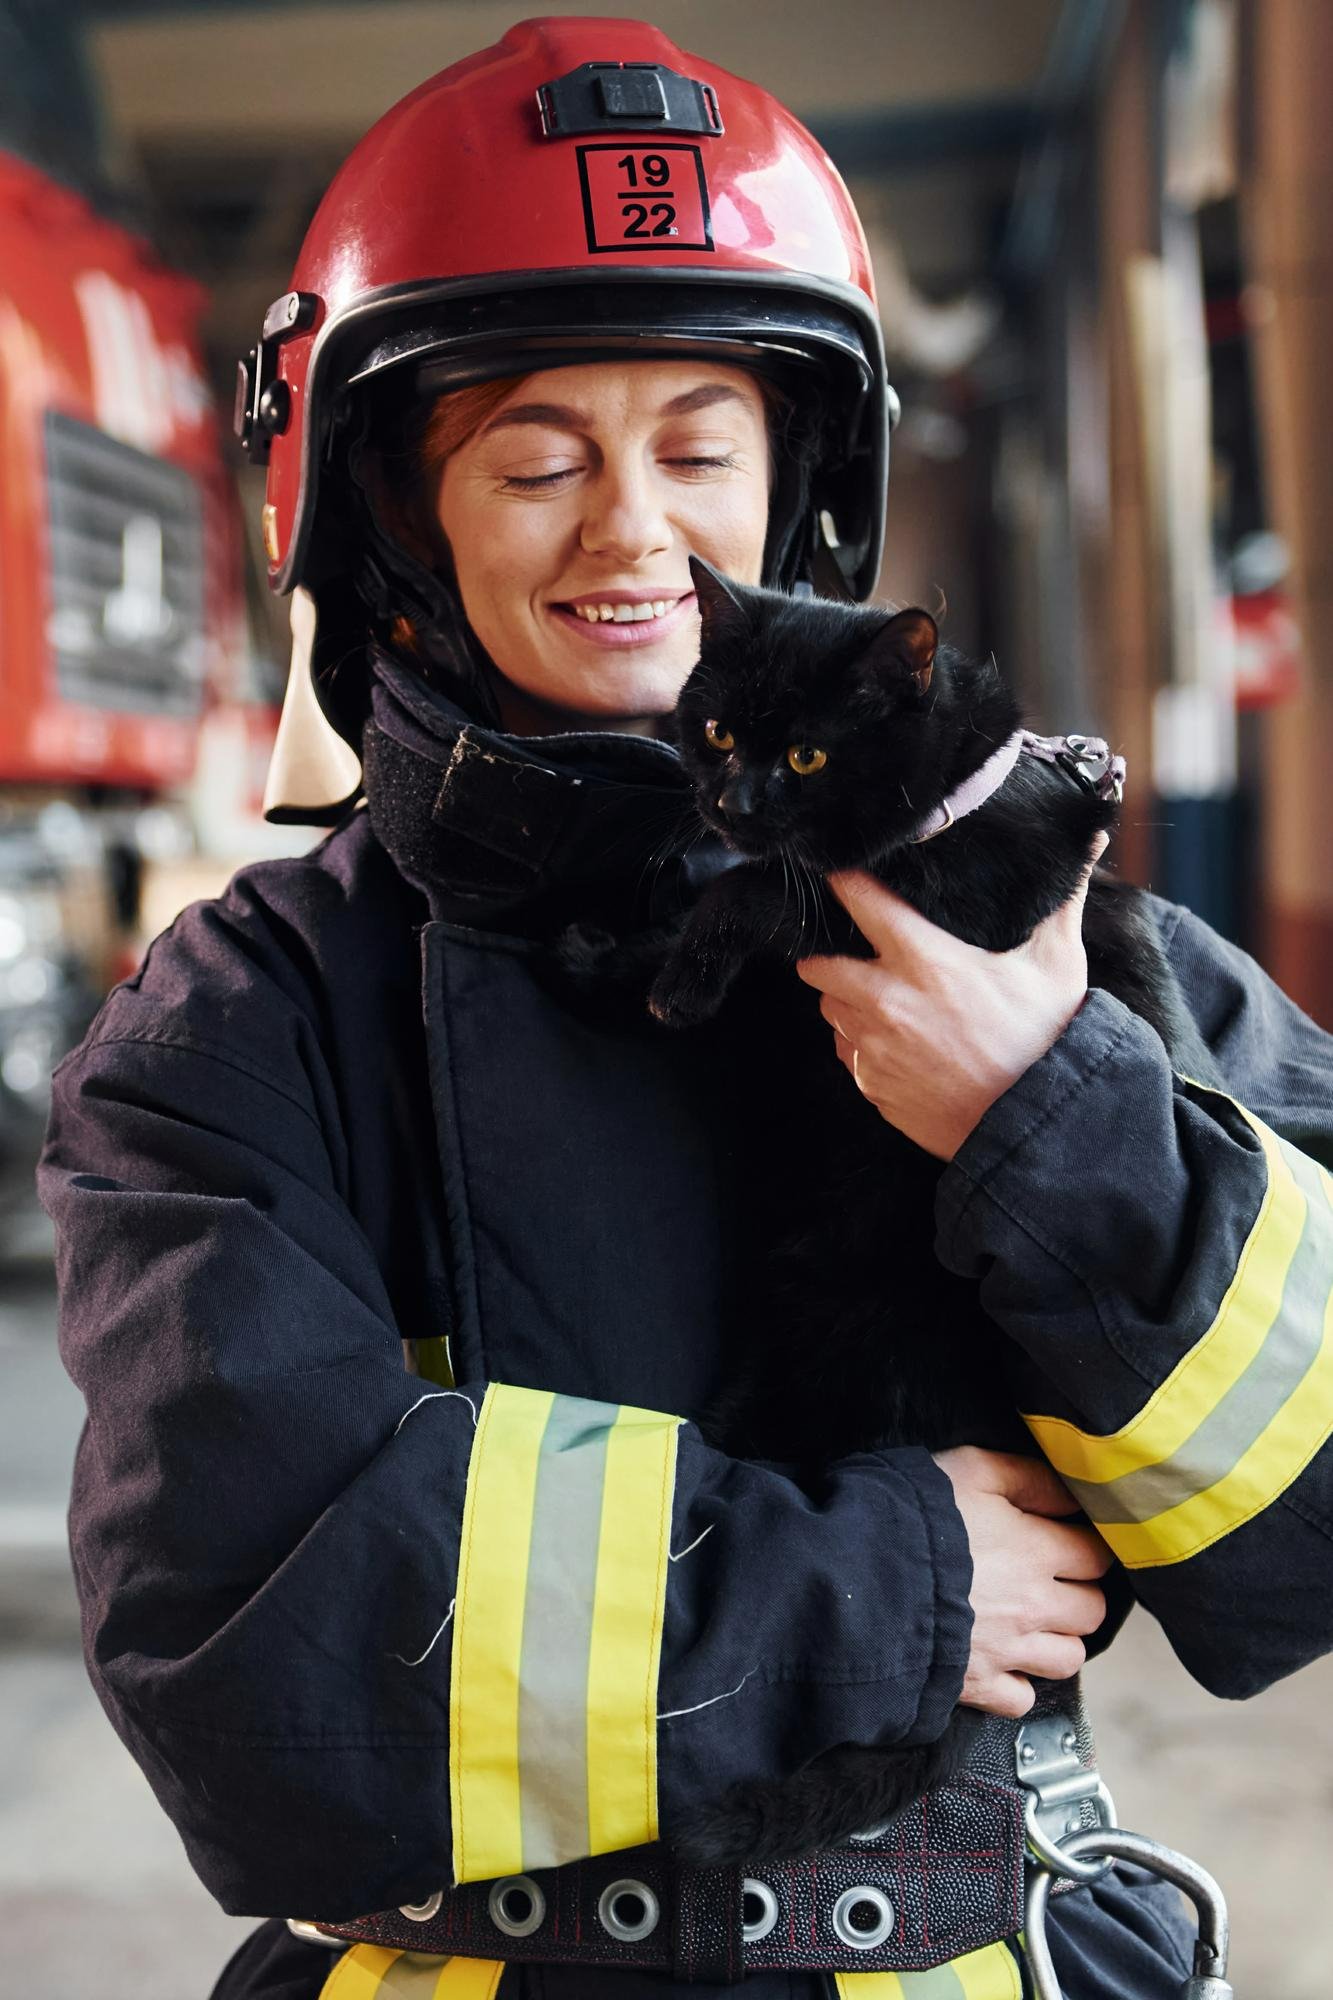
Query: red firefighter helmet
<point>581,190</point>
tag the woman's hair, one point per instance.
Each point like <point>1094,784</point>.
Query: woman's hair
<point>430,437</point>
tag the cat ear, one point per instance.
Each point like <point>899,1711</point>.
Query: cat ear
<point>719,607</point>
<point>906,645</point>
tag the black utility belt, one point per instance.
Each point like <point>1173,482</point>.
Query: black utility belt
<point>945,1877</point>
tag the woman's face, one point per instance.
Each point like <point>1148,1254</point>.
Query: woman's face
<point>572,513</point>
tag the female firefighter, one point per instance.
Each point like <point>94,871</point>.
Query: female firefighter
<point>428,1663</point>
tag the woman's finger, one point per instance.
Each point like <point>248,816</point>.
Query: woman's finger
<point>1028,1483</point>
<point>1076,1555</point>
<point>1067,921</point>
<point>858,981</point>
<point>1077,1607</point>
<point>884,919</point>
<point>1054,1655</point>
<point>1001,1694</point>
<point>835,1012</point>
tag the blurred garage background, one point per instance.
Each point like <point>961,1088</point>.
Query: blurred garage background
<point>1102,236</point>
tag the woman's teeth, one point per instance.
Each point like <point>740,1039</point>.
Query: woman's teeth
<point>624,614</point>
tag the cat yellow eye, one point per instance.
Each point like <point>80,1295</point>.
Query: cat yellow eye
<point>804,758</point>
<point>720,738</point>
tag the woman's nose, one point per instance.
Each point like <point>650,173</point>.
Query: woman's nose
<point>625,516</point>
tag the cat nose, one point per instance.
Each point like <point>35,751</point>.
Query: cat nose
<point>736,799</point>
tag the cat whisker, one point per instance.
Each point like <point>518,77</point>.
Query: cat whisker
<point>781,917</point>
<point>821,925</point>
<point>816,907</point>
<point>809,901</point>
<point>792,874</point>
<point>677,818</point>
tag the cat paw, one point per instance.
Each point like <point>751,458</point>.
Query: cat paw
<point>583,948</point>
<point>678,998</point>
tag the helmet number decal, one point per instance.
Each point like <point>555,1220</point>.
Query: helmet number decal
<point>644,198</point>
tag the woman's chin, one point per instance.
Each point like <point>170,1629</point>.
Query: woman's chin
<point>643,683</point>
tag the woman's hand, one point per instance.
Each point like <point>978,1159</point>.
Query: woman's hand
<point>934,1030</point>
<point>1033,1596</point>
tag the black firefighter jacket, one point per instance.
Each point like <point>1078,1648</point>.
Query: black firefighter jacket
<point>345,1107</point>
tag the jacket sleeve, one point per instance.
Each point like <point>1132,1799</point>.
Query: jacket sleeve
<point>1161,1256</point>
<point>363,1633</point>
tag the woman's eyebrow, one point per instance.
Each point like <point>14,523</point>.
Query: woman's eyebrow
<point>701,398</point>
<point>562,417</point>
<point>558,414</point>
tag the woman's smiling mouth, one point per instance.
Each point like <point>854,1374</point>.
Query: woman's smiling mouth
<point>624,618</point>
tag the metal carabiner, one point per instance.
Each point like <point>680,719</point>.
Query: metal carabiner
<point>1208,1981</point>
<point>1059,1785</point>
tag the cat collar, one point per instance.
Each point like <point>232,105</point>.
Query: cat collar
<point>1087,759</point>
<point>973,791</point>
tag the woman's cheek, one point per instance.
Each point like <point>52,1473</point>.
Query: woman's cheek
<point>730,529</point>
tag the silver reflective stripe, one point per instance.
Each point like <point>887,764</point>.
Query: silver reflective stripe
<point>1254,1398</point>
<point>557,1631</point>
<point>413,1976</point>
<point>940,1983</point>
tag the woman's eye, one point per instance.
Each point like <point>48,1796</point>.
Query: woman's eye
<point>720,738</point>
<point>805,758</point>
<point>704,464</point>
<point>516,482</point>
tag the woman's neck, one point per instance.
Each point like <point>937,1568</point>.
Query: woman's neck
<point>524,714</point>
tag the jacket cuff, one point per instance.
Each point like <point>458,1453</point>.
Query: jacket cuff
<point>950,1553</point>
<point>1089,1078</point>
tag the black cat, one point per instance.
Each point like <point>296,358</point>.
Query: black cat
<point>822,736</point>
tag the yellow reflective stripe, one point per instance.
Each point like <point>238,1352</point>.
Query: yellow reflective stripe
<point>557,1631</point>
<point>373,1972</point>
<point>359,1973</point>
<point>1216,1361</point>
<point>1279,1454</point>
<point>989,1974</point>
<point>626,1647</point>
<point>1246,1409</point>
<point>488,1633</point>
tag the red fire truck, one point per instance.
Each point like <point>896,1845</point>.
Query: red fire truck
<point>121,610</point>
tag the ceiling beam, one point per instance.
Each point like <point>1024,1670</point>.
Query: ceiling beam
<point>324,72</point>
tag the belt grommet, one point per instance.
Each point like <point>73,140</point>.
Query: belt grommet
<point>628,1911</point>
<point>421,1913</point>
<point>759,1910</point>
<point>862,1936</point>
<point>516,1905</point>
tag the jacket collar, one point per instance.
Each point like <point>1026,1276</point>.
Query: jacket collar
<point>532,830</point>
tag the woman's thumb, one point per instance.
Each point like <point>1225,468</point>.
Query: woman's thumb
<point>1062,932</point>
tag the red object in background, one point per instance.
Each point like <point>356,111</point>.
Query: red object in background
<point>119,580</point>
<point>1268,648</point>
